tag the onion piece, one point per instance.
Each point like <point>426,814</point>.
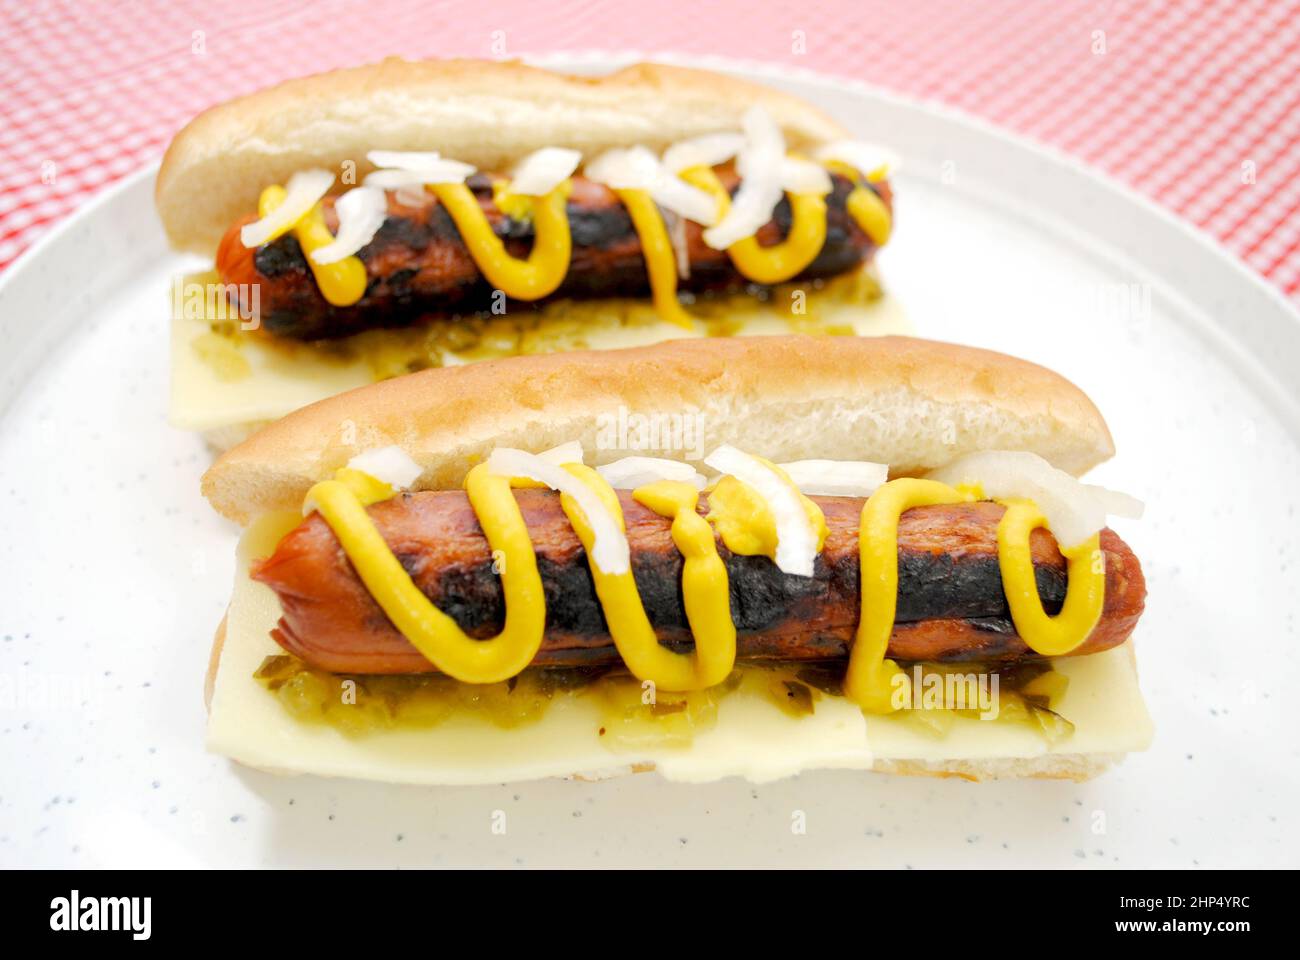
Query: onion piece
<point>836,478</point>
<point>444,171</point>
<point>706,151</point>
<point>543,170</point>
<point>406,168</point>
<point>634,168</point>
<point>871,160</point>
<point>632,472</point>
<point>570,452</point>
<point>403,159</point>
<point>637,168</point>
<point>760,166</point>
<point>391,465</point>
<point>796,540</point>
<point>302,192</point>
<point>1074,511</point>
<point>361,212</point>
<point>609,552</point>
<point>676,226</point>
<point>1117,504</point>
<point>804,176</point>
<point>675,194</point>
<point>411,195</point>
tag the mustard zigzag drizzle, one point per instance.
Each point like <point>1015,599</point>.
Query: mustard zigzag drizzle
<point>875,683</point>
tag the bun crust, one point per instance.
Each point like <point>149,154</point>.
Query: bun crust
<point>482,112</point>
<point>914,404</point>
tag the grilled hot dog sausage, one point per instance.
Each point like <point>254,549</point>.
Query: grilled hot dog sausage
<point>950,601</point>
<point>419,268</point>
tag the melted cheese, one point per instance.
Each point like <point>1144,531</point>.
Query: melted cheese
<point>283,376</point>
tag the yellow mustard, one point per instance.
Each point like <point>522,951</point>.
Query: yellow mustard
<point>547,263</point>
<point>660,260</point>
<point>864,204</point>
<point>342,502</point>
<point>745,521</point>
<point>704,586</point>
<point>874,682</point>
<point>781,261</point>
<point>541,273</point>
<point>1084,598</point>
<point>343,282</point>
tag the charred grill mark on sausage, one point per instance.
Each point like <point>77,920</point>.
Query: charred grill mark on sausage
<point>420,269</point>
<point>950,601</point>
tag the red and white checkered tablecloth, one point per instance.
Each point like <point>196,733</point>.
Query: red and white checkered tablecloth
<point>1194,102</point>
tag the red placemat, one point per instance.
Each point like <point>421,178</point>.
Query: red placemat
<point>1194,103</point>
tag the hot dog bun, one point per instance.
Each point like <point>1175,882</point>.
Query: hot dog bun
<point>481,112</point>
<point>915,404</point>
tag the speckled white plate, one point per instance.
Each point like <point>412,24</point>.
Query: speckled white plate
<point>114,571</point>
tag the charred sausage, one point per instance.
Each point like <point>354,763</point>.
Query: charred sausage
<point>950,601</point>
<point>418,267</point>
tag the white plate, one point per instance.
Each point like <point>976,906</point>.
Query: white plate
<point>114,571</point>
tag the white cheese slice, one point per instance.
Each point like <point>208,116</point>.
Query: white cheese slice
<point>278,383</point>
<point>281,381</point>
<point>752,738</point>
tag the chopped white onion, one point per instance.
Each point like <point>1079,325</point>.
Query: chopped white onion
<point>403,159</point>
<point>760,166</point>
<point>609,552</point>
<point>570,452</point>
<point>1117,504</point>
<point>637,168</point>
<point>676,226</point>
<point>796,540</point>
<point>444,171</point>
<point>391,464</point>
<point>1074,511</point>
<point>407,168</point>
<point>632,472</point>
<point>871,160</point>
<point>675,194</point>
<point>706,151</point>
<point>543,170</point>
<point>803,176</point>
<point>302,192</point>
<point>361,213</point>
<point>411,195</point>
<point>837,478</point>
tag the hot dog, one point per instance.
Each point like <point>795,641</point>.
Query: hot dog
<point>418,266</point>
<point>950,602</point>
<point>400,216</point>
<point>474,534</point>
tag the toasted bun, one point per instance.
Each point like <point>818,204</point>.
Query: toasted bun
<point>914,404</point>
<point>481,112</point>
